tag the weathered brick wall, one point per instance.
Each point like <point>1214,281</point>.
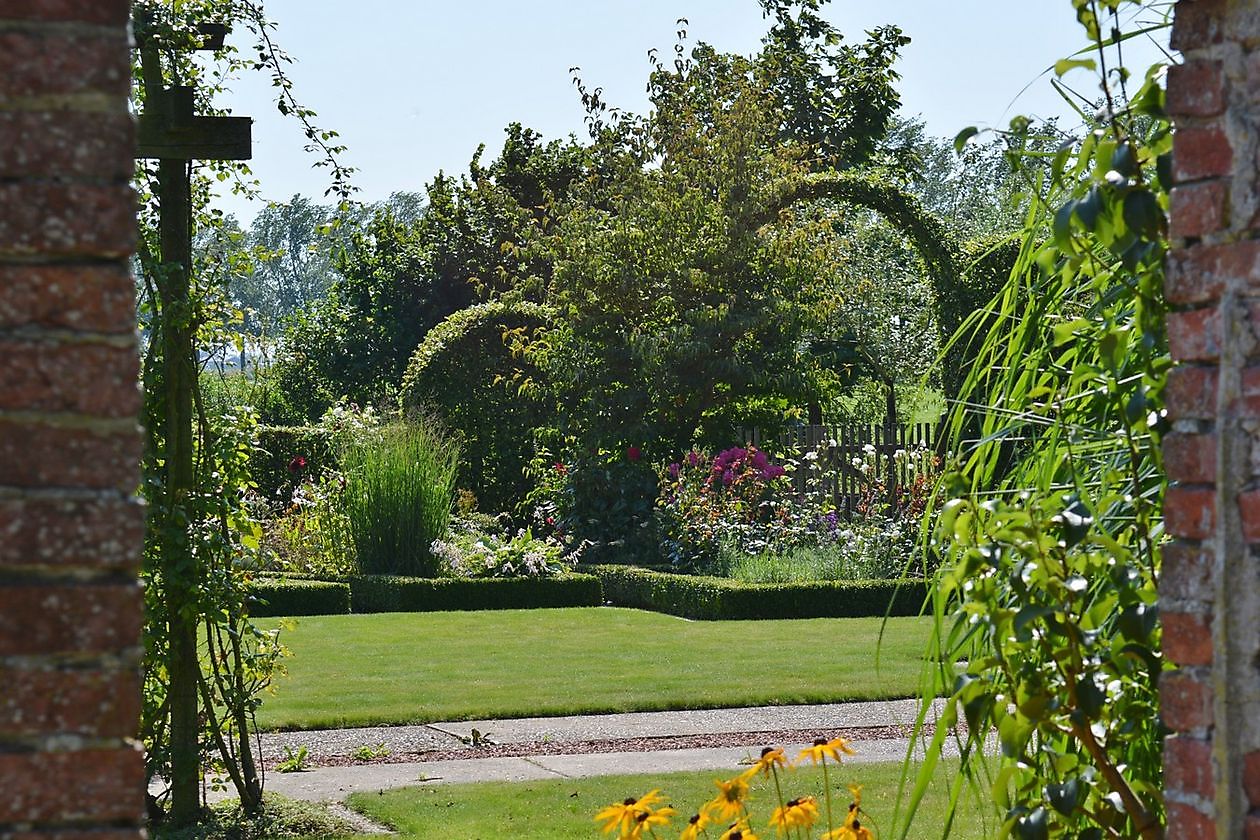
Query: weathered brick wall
<point>70,528</point>
<point>1210,590</point>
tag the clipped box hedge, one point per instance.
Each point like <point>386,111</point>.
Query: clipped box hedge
<point>387,593</point>
<point>714,599</point>
<point>295,596</point>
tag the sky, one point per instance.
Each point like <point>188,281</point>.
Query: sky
<point>413,86</point>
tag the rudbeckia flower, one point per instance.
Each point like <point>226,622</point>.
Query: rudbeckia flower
<point>624,816</point>
<point>802,812</point>
<point>738,831</point>
<point>770,758</point>
<point>821,750</point>
<point>730,801</point>
<point>648,817</point>
<point>857,831</point>
<point>695,825</point>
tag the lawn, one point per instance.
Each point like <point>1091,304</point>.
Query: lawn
<point>563,809</point>
<point>358,670</point>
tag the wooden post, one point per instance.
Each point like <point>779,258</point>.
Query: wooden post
<point>169,131</point>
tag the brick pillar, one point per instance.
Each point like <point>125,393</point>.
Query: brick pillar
<point>1210,588</point>
<point>70,526</point>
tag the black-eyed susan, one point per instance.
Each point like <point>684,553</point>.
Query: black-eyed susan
<point>648,818</point>
<point>729,802</point>
<point>857,831</point>
<point>795,813</point>
<point>623,817</point>
<point>738,831</point>
<point>824,749</point>
<point>771,757</point>
<point>695,825</point>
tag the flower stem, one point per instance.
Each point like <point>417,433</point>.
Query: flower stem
<point>827,792</point>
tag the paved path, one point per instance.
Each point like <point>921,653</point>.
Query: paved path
<point>336,782</point>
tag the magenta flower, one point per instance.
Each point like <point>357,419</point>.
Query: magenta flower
<point>674,470</point>
<point>297,464</point>
<point>633,453</point>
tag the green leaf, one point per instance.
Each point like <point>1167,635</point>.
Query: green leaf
<point>961,138</point>
<point>1063,65</point>
<point>1066,797</point>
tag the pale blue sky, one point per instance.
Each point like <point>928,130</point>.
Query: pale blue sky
<point>413,87</point>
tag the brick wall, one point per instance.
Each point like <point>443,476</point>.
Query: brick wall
<point>70,528</point>
<point>1210,589</point>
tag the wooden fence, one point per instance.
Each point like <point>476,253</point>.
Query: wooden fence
<point>855,461</point>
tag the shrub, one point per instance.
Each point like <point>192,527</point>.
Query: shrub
<point>719,599</point>
<point>866,549</point>
<point>399,488</point>
<point>385,593</point>
<point>293,596</point>
<point>480,546</point>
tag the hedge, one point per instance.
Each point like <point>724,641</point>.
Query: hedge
<point>293,596</point>
<point>306,595</point>
<point>384,593</point>
<point>712,599</point>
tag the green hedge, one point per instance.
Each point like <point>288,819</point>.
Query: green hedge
<point>383,593</point>
<point>293,596</point>
<point>305,595</point>
<point>277,446</point>
<point>711,599</point>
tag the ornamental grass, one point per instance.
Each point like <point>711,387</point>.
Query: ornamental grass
<point>727,816</point>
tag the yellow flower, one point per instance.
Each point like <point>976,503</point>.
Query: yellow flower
<point>822,750</point>
<point>738,831</point>
<point>695,825</point>
<point>770,758</point>
<point>730,801</point>
<point>802,812</point>
<point>624,816</point>
<point>855,832</point>
<point>648,817</point>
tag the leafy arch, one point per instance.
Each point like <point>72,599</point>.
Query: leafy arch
<point>469,371</point>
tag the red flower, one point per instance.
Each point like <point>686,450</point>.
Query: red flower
<point>633,453</point>
<point>551,520</point>
<point>298,463</point>
<point>561,468</point>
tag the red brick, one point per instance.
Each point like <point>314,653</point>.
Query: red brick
<point>1198,209</point>
<point>1185,702</point>
<point>1196,89</point>
<point>46,620</point>
<point>1194,335</point>
<point>1249,512</point>
<point>1190,392</point>
<point>1190,458</point>
<point>102,534</point>
<point>1251,777</point>
<point>43,61</point>
<point>98,785</point>
<point>65,145</point>
<point>1198,274</point>
<point>1186,573</point>
<point>1189,823</point>
<point>90,298</point>
<point>1251,827</point>
<point>101,12</point>
<point>1197,23</point>
<point>77,378</point>
<point>67,220</point>
<point>1190,512</point>
<point>1187,638</point>
<point>36,455</point>
<point>87,703</point>
<point>1201,152</point>
<point>1188,766</point>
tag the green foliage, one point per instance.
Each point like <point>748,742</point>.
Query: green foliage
<point>294,596</point>
<point>1047,597</point>
<point>470,372</point>
<point>722,599</point>
<point>482,546</point>
<point>869,549</point>
<point>476,237</point>
<point>400,484</point>
<point>377,593</point>
<point>294,761</point>
<point>278,446</point>
<point>280,817</point>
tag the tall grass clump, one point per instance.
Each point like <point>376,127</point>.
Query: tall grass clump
<point>399,487</point>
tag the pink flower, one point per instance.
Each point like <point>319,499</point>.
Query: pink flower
<point>633,453</point>
<point>298,463</point>
<point>674,470</point>
<point>561,468</point>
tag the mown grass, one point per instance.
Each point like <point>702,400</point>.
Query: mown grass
<point>359,670</point>
<point>563,809</point>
